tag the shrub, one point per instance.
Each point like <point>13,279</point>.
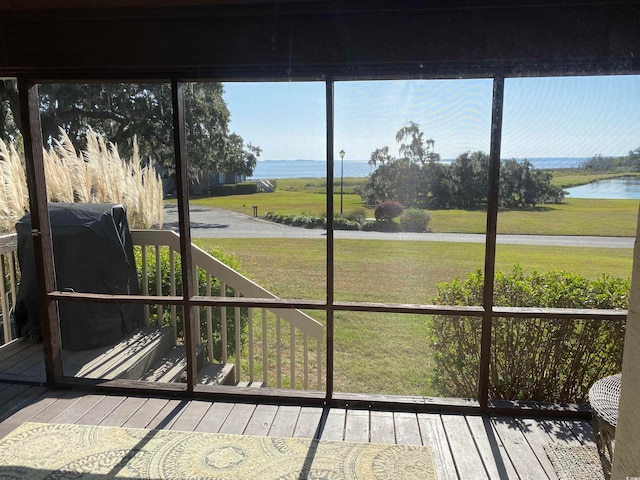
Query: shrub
<point>357,215</point>
<point>375,226</point>
<point>388,210</point>
<point>246,188</point>
<point>202,290</point>
<point>222,190</point>
<point>341,223</point>
<point>414,220</point>
<point>539,359</point>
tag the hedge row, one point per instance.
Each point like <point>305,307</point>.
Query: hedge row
<point>237,189</point>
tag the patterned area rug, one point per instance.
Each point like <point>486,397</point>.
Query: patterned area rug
<point>52,451</point>
<point>575,463</point>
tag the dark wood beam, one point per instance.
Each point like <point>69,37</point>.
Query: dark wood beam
<point>343,39</point>
<point>182,190</point>
<point>40,227</point>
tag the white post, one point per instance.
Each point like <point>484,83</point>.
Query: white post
<point>626,460</point>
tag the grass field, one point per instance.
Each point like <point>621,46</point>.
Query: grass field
<point>371,349</point>
<point>390,353</point>
<point>575,216</point>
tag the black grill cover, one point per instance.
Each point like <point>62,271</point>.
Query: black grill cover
<point>93,253</point>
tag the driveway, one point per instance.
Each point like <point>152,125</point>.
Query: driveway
<point>216,222</point>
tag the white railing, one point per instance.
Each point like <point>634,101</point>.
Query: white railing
<point>8,285</point>
<point>259,347</point>
<point>262,348</point>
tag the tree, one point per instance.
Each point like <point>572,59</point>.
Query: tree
<point>470,179</point>
<point>419,180</point>
<point>522,185</point>
<point>120,111</point>
<point>404,179</point>
<point>9,111</point>
<point>417,150</point>
<point>380,156</point>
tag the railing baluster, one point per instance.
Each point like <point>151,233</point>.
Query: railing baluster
<point>278,353</point>
<point>3,302</point>
<point>223,323</point>
<point>145,282</point>
<point>265,362</point>
<point>251,340</point>
<point>209,321</point>
<point>237,325</point>
<point>305,346</point>
<point>292,354</point>
<point>12,278</point>
<point>196,310</point>
<point>159,309</point>
<point>299,322</point>
<point>172,287</point>
<point>319,360</point>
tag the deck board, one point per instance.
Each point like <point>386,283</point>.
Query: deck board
<point>536,433</point>
<point>238,418</point>
<point>407,428</point>
<point>101,410</point>
<point>168,414</point>
<point>434,435</point>
<point>146,413</point>
<point>261,420</point>
<point>123,412</point>
<point>214,417</point>
<point>490,447</point>
<point>382,427</point>
<point>465,454</point>
<point>81,407</point>
<point>518,448</point>
<point>308,422</point>
<point>191,416</point>
<point>285,420</point>
<point>463,447</point>
<point>357,426</point>
<point>333,427</point>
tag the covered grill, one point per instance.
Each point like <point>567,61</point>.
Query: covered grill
<point>93,253</point>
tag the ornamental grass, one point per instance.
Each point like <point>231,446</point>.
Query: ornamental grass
<point>95,175</point>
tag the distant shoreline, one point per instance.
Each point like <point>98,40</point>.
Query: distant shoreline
<point>276,169</point>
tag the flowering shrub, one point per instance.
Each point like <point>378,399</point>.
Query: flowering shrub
<point>388,210</point>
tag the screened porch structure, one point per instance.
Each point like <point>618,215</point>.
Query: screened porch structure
<point>329,42</point>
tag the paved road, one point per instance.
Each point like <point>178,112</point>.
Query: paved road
<point>215,222</point>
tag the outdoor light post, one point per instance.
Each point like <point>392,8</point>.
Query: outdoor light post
<point>341,177</point>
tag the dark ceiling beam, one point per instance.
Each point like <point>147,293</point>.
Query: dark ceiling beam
<point>315,38</point>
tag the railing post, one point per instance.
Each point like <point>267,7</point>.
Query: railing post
<point>490,245</point>
<point>188,289</point>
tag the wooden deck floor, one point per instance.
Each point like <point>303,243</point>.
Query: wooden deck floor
<point>464,446</point>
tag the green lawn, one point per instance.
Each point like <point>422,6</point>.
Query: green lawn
<point>390,353</point>
<point>372,349</point>
<point>575,216</point>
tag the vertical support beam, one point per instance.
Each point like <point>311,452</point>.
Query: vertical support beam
<point>490,245</point>
<point>330,241</point>
<point>626,461</point>
<point>180,146</point>
<point>40,227</point>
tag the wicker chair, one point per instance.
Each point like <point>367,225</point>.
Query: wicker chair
<point>603,397</point>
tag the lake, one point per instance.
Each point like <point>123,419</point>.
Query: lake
<point>620,188</point>
<point>614,188</point>
<point>273,169</point>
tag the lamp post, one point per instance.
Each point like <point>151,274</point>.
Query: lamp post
<point>341,177</point>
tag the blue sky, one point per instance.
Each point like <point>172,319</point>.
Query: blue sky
<point>543,117</point>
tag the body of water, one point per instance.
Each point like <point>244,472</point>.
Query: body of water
<point>614,188</point>
<point>620,188</point>
<point>273,169</point>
